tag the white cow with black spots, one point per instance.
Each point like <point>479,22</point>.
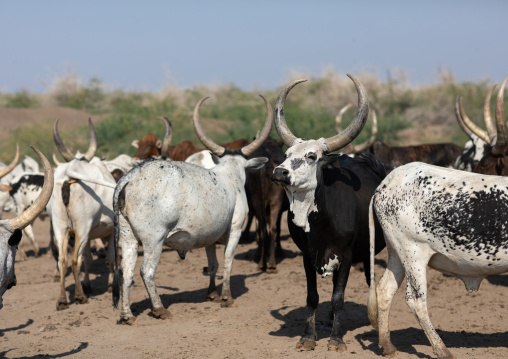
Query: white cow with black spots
<point>186,206</point>
<point>453,221</point>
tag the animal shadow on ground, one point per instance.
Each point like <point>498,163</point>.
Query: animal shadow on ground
<point>499,279</point>
<point>238,289</point>
<point>353,316</point>
<point>70,353</point>
<point>19,327</point>
<point>405,340</point>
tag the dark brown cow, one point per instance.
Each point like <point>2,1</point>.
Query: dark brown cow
<point>267,202</point>
<point>439,154</point>
<point>494,161</point>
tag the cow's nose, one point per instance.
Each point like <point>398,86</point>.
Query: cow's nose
<point>280,175</point>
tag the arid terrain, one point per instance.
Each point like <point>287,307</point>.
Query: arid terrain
<point>266,323</point>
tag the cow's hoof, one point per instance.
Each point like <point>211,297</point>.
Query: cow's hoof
<point>271,270</point>
<point>37,254</point>
<point>335,345</point>
<point>62,305</point>
<point>390,354</point>
<point>213,297</point>
<point>161,313</point>
<point>56,279</point>
<point>110,288</point>
<point>227,302</point>
<point>129,320</point>
<point>447,355</point>
<point>305,344</point>
<point>87,288</point>
<point>81,300</point>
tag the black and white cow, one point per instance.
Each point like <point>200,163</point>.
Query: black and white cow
<point>10,229</point>
<point>329,197</point>
<point>186,206</point>
<point>452,221</point>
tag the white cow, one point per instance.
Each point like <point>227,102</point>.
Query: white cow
<point>10,230</point>
<point>187,207</point>
<point>80,206</point>
<point>453,221</point>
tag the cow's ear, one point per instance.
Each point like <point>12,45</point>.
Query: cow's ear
<point>135,143</point>
<point>330,162</point>
<point>5,187</point>
<point>256,163</point>
<point>15,238</point>
<point>158,144</point>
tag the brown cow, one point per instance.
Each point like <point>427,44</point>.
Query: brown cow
<point>183,150</point>
<point>150,145</point>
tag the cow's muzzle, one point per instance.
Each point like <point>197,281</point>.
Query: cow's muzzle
<point>280,176</point>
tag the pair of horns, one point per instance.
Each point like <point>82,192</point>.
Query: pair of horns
<point>336,142</point>
<point>496,134</point>
<point>29,215</point>
<point>64,151</point>
<point>349,149</point>
<point>11,166</point>
<point>246,150</point>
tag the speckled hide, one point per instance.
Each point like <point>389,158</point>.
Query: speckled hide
<point>9,240</point>
<point>453,221</point>
<point>473,152</point>
<point>187,207</point>
<point>82,209</point>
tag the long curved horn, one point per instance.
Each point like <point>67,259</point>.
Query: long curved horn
<point>263,135</point>
<point>471,125</point>
<point>66,154</point>
<point>502,140</point>
<point>37,207</point>
<point>363,146</point>
<point>168,136</point>
<point>11,166</point>
<point>462,125</point>
<point>338,118</point>
<point>205,140</point>
<point>487,117</point>
<point>92,148</point>
<point>280,121</point>
<point>355,127</point>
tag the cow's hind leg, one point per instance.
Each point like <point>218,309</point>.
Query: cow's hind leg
<point>151,257</point>
<point>340,277</point>
<point>29,233</point>
<point>308,340</point>
<point>213,265</point>
<point>386,289</point>
<point>229,254</point>
<point>80,247</point>
<point>416,299</point>
<point>129,246</point>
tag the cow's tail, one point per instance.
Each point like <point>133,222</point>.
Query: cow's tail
<point>372,302</point>
<point>118,201</point>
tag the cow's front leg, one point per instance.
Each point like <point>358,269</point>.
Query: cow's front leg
<point>213,265</point>
<point>308,340</point>
<point>151,258</point>
<point>340,278</point>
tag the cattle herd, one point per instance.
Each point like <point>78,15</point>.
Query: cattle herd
<point>435,205</point>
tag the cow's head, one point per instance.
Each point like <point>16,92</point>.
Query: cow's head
<point>494,160</point>
<point>299,171</point>
<point>236,157</point>
<point>10,229</point>
<point>64,151</point>
<point>150,145</point>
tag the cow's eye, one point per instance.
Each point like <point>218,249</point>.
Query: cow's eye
<point>311,156</point>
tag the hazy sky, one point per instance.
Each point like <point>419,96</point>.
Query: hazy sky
<point>141,45</point>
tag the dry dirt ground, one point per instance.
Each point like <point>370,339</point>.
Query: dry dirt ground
<point>267,322</point>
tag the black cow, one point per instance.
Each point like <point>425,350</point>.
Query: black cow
<point>328,217</point>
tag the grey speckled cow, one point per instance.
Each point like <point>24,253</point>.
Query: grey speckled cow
<point>187,207</point>
<point>453,221</point>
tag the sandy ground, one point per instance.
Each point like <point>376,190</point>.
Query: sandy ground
<point>267,322</point>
